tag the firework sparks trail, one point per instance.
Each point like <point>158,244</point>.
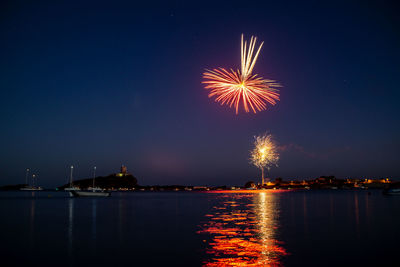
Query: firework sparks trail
<point>232,87</point>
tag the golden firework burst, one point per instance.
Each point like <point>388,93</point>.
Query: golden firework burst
<point>265,153</point>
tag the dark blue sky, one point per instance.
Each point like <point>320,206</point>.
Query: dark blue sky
<point>110,83</point>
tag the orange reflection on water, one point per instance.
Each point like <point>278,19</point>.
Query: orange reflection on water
<point>242,231</point>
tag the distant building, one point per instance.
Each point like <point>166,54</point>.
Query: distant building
<point>325,179</point>
<point>124,170</point>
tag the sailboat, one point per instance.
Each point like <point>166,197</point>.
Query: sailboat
<point>92,192</point>
<point>71,187</point>
<point>33,187</point>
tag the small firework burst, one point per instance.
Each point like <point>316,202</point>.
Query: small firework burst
<point>265,153</point>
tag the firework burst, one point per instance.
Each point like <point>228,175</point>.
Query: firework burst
<point>232,87</point>
<point>265,153</point>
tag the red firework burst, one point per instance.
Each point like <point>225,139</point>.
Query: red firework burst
<point>232,87</point>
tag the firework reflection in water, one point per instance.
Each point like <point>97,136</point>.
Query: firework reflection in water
<point>242,231</point>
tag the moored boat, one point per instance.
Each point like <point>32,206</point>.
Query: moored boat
<point>93,192</point>
<point>393,189</point>
<point>71,186</point>
<point>32,187</point>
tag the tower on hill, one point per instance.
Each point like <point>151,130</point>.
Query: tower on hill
<point>123,172</point>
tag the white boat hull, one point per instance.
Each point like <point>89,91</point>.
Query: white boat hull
<point>31,189</point>
<point>89,194</point>
<point>71,189</point>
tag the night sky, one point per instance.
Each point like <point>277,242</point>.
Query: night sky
<point>110,83</point>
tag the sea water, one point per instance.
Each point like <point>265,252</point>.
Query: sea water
<point>260,228</point>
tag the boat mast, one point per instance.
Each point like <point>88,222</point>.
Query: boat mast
<point>94,175</point>
<point>70,179</point>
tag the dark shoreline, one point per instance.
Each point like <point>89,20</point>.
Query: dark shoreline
<point>129,183</point>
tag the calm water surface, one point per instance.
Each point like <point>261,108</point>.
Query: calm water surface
<point>272,228</point>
